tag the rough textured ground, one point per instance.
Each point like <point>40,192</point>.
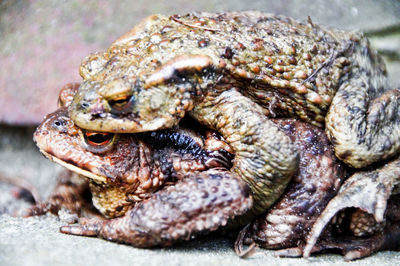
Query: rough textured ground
<point>36,241</point>
<point>41,45</point>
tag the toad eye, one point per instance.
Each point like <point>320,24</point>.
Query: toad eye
<point>98,139</point>
<point>98,142</point>
<point>122,105</point>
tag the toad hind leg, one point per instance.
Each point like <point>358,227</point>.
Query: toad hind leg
<point>358,247</point>
<point>363,121</point>
<point>199,203</point>
<point>368,191</point>
<point>68,194</point>
<point>265,157</point>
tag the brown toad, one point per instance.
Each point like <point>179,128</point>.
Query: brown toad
<point>190,197</point>
<point>232,72</point>
<point>128,168</point>
<point>298,224</point>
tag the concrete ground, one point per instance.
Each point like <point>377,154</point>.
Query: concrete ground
<point>36,241</point>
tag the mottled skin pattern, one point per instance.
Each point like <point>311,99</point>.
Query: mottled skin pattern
<point>289,221</point>
<point>128,168</point>
<point>183,208</point>
<point>165,186</point>
<point>370,202</point>
<point>231,71</point>
<point>203,201</point>
<point>174,213</point>
<point>200,203</point>
<point>135,166</point>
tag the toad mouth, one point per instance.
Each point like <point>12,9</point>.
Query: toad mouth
<point>75,169</point>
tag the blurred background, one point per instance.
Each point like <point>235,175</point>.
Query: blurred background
<point>42,43</point>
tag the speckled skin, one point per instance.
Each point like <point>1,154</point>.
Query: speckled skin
<point>370,202</point>
<point>167,185</point>
<point>125,169</point>
<point>231,71</point>
<point>196,202</point>
<point>57,136</point>
<point>290,220</point>
<point>136,165</point>
<point>200,203</point>
<point>203,201</point>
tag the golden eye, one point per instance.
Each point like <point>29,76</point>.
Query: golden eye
<point>98,139</point>
<point>98,142</point>
<point>122,104</point>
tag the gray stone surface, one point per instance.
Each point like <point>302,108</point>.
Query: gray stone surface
<point>36,241</point>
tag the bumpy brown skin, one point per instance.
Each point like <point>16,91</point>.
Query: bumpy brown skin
<point>288,222</point>
<point>232,70</point>
<point>167,186</point>
<point>204,201</point>
<point>134,166</point>
<point>200,203</point>
<point>367,193</point>
<point>67,93</point>
<point>370,200</point>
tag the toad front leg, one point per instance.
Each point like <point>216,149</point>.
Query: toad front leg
<point>265,157</point>
<point>199,203</point>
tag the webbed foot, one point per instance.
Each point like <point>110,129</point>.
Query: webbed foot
<point>356,247</point>
<point>385,237</point>
<point>86,227</point>
<point>243,239</point>
<point>369,191</point>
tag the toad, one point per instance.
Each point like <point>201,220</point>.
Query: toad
<point>361,219</point>
<point>125,169</point>
<point>232,72</point>
<point>192,189</point>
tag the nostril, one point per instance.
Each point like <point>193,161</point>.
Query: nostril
<point>85,105</point>
<point>58,124</point>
